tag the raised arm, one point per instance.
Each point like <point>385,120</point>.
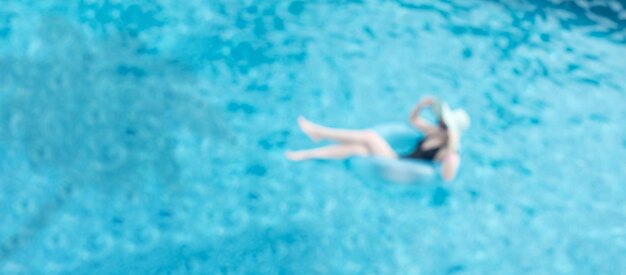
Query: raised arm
<point>417,121</point>
<point>451,160</point>
<point>450,165</point>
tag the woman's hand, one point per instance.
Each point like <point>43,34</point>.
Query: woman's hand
<point>415,119</point>
<point>423,103</point>
<point>427,101</point>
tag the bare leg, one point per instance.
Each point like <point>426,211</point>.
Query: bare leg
<point>375,144</point>
<point>318,132</point>
<point>340,151</point>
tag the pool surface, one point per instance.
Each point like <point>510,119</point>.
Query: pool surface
<point>147,137</point>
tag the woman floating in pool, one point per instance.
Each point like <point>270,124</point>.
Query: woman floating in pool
<point>440,143</point>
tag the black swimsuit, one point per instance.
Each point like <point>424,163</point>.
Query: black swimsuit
<point>428,154</point>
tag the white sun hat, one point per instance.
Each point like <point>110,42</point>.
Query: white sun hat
<point>456,120</point>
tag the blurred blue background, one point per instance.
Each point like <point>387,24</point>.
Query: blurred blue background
<point>147,137</point>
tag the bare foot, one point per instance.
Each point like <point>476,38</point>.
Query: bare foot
<point>294,156</point>
<point>309,128</point>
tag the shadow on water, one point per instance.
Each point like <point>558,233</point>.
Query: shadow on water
<point>103,118</point>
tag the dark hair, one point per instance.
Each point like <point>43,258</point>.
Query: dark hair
<point>442,124</point>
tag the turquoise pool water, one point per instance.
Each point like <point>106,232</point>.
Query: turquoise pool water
<point>146,137</point>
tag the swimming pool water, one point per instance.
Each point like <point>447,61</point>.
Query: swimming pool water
<point>147,137</point>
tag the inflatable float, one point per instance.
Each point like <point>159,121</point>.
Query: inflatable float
<point>402,138</point>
